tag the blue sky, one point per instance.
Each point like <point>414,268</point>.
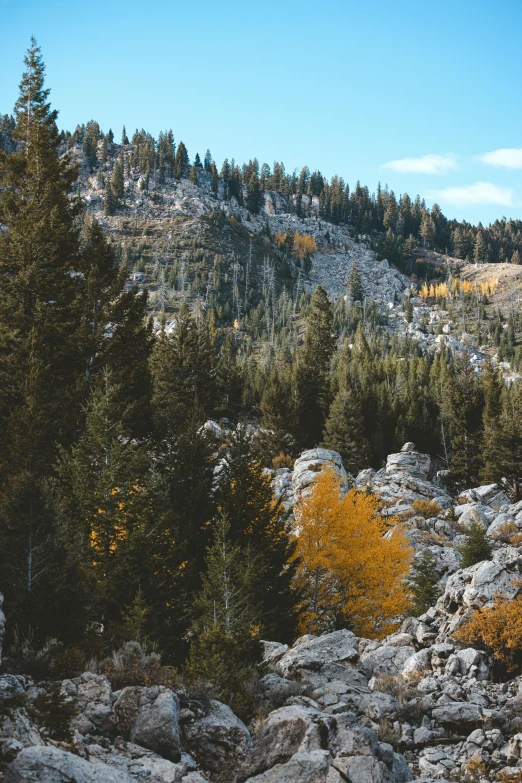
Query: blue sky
<point>422,96</point>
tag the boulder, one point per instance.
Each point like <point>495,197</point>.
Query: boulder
<point>285,732</point>
<point>150,717</point>
<point>94,696</point>
<point>478,513</point>
<point>477,585</point>
<point>312,652</point>
<point>386,659</point>
<point>218,740</point>
<point>458,714</point>
<point>303,767</point>
<point>53,765</point>
<point>309,464</point>
<point>410,462</point>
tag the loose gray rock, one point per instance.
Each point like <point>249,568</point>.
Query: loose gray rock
<point>150,717</point>
<point>219,741</point>
<point>311,652</point>
<point>52,765</point>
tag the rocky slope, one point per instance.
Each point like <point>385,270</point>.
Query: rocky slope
<point>178,209</point>
<point>338,708</point>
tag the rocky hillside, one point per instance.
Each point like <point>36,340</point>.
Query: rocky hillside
<point>187,245</point>
<point>168,214</point>
<point>417,704</point>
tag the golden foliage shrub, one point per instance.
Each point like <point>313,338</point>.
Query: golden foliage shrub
<point>498,629</point>
<point>508,533</point>
<point>304,245</point>
<point>426,508</point>
<point>282,460</point>
<point>352,564</point>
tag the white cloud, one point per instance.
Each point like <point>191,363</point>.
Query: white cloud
<point>478,193</point>
<point>426,164</point>
<point>505,158</point>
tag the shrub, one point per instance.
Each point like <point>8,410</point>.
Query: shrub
<point>426,508</point>
<point>387,733</point>
<point>406,693</point>
<point>508,533</point>
<point>498,630</point>
<point>282,461</point>
<point>477,546</point>
<point>55,710</point>
<point>133,665</point>
<point>11,703</point>
<point>474,770</point>
<point>424,582</point>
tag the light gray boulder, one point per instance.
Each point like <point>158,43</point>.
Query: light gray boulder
<point>410,462</point>
<point>150,717</point>
<point>312,652</point>
<point>53,765</point>
<point>285,732</point>
<point>309,464</point>
<point>218,740</point>
<point>477,513</point>
<point>488,494</point>
<point>458,714</point>
<point>94,698</point>
<point>303,767</point>
<point>477,586</point>
<point>386,659</point>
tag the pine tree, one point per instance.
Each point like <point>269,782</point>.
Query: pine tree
<point>229,381</point>
<point>109,202</point>
<point>494,452</point>
<point>124,137</point>
<point>193,175</point>
<point>43,591</point>
<point>215,180</point>
<point>312,370</point>
<point>208,161</point>
<point>40,290</point>
<point>197,162</point>
<point>254,196</point>
<point>354,285</point>
<point>104,479</point>
<point>182,161</point>
<point>424,581</point>
<point>117,181</point>
<point>480,252</point>
<point>182,366</point>
<point>408,309</point>
<point>259,522</point>
<point>477,546</point>
<point>344,430</point>
<point>226,629</point>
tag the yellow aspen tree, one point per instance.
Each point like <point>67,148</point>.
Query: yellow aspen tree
<point>352,563</point>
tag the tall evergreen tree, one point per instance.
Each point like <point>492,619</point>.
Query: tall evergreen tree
<point>344,430</point>
<point>424,582</point>
<point>104,479</point>
<point>226,628</point>
<point>312,370</point>
<point>40,289</point>
<point>354,285</point>
<point>260,522</point>
<point>494,446</point>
